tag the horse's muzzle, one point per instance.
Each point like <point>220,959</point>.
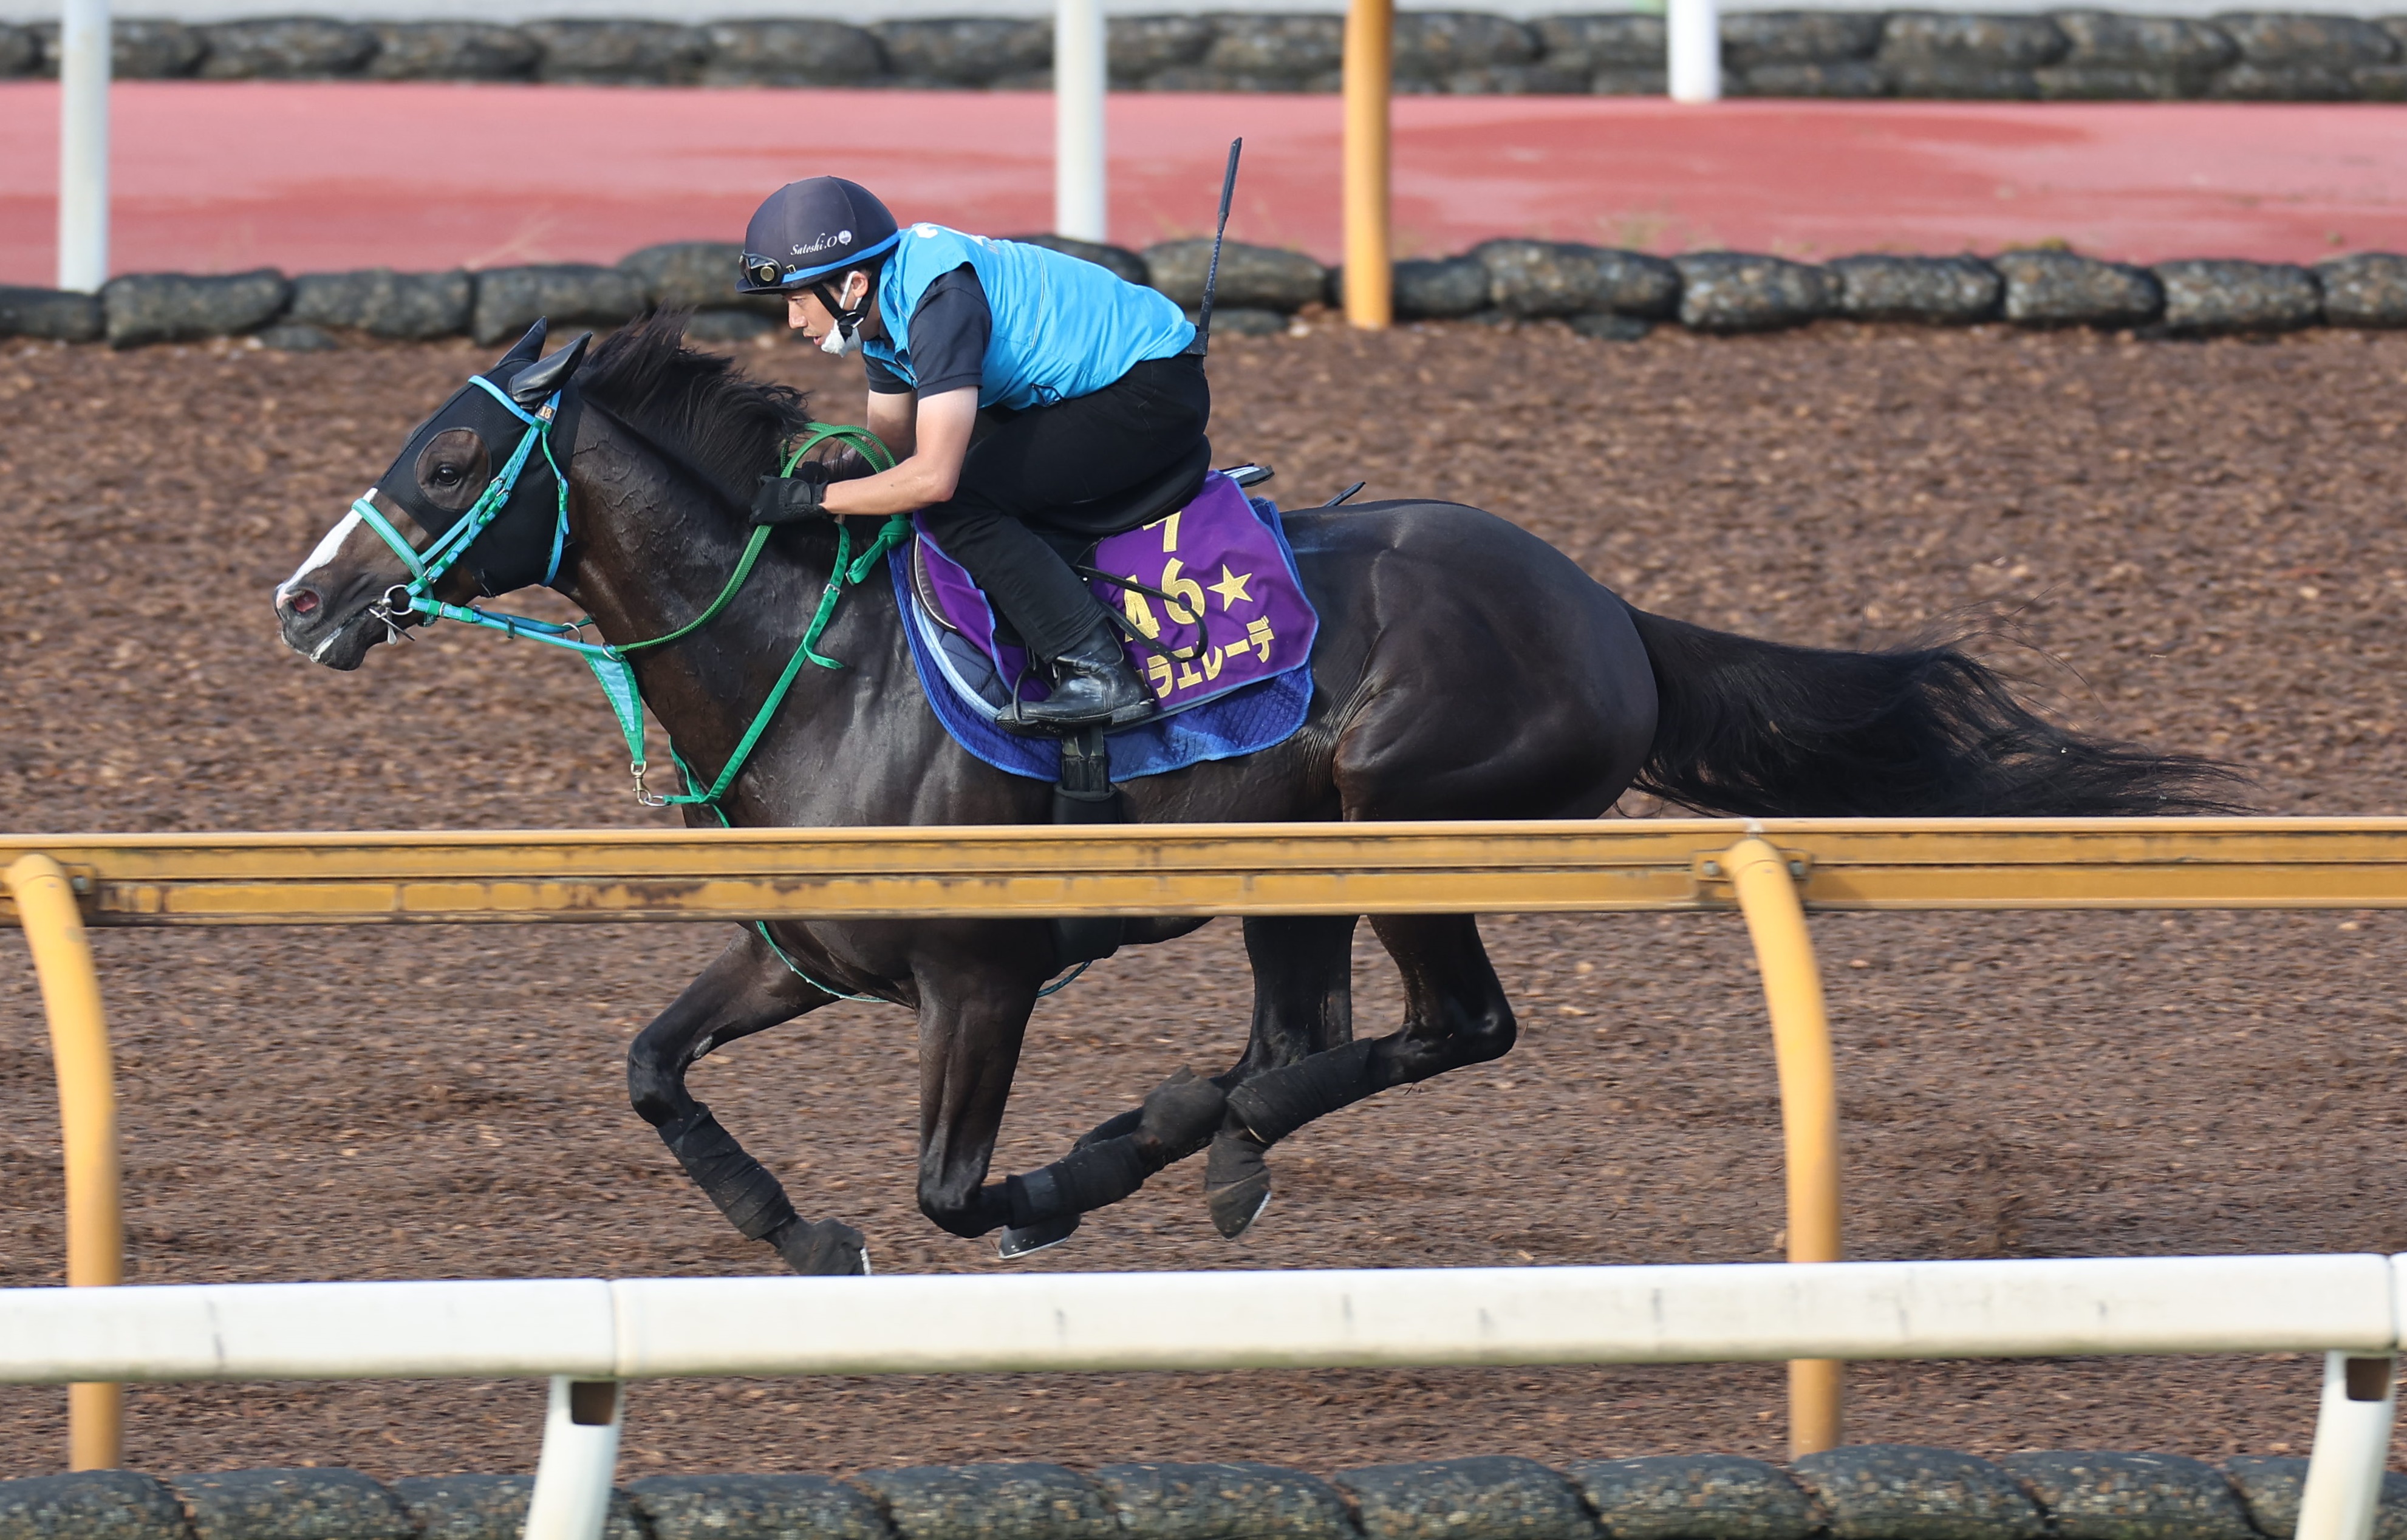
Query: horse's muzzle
<point>323,631</point>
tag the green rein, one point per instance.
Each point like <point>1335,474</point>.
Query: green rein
<point>617,676</point>
<point>609,663</point>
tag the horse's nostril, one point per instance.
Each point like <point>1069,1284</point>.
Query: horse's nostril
<point>302,602</point>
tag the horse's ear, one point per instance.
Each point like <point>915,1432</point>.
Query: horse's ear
<point>528,347</point>
<point>538,380</point>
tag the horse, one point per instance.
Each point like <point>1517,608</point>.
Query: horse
<point>1463,669</point>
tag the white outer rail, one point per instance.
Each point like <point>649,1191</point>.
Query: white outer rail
<point>1082,204</point>
<point>585,1334</point>
<point>1692,51</point>
<point>84,63</point>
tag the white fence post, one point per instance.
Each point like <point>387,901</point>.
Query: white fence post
<point>2344,1492</point>
<point>1080,77</point>
<point>580,1457</point>
<point>1693,49</point>
<point>83,145</point>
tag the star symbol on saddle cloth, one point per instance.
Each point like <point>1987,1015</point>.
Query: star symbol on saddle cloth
<point>1231,586</point>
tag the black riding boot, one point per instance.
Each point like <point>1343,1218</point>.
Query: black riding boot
<point>1094,686</point>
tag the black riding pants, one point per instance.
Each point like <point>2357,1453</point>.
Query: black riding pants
<point>1033,467</point>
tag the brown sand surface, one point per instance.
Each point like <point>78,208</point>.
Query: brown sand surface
<point>2204,539</point>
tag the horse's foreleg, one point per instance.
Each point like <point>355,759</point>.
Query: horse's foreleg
<point>1175,1121</point>
<point>1455,1014</point>
<point>1303,1005</point>
<point>972,1020</point>
<point>747,989</point>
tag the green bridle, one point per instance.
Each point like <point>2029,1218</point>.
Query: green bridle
<point>608,662</point>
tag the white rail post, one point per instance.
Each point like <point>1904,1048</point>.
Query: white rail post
<point>580,1457</point>
<point>2344,1492</point>
<point>83,145</point>
<point>1692,37</point>
<point>1080,77</point>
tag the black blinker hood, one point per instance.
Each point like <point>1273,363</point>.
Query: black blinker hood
<point>515,549</point>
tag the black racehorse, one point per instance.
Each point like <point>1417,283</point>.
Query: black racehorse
<point>1465,669</point>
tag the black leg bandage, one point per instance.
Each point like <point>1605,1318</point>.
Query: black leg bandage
<point>743,1189</point>
<point>1178,1118</point>
<point>1085,1179</point>
<point>1111,1128</point>
<point>1276,1102</point>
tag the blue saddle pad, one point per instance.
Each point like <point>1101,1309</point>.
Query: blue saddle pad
<point>965,689</point>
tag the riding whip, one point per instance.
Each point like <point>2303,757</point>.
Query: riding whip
<point>1220,233</point>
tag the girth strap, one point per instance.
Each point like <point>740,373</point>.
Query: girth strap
<point>1085,795</point>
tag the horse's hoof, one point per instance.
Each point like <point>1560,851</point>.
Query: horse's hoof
<point>823,1248</point>
<point>1234,1209</point>
<point>1027,1240</point>
<point>1236,1181</point>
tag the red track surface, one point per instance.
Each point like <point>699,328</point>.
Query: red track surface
<point>223,177</point>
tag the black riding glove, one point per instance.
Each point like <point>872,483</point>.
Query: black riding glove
<point>784,499</point>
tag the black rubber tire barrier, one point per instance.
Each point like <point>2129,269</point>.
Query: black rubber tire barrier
<point>1879,1491</point>
<point>1598,291</point>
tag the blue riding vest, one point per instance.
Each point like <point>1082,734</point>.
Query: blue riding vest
<point>1064,326</point>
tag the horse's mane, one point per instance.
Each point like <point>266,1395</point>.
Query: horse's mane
<point>698,409</point>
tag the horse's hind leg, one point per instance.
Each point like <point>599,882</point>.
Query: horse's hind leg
<point>1303,1005</point>
<point>1455,1014</point>
<point>747,989</point>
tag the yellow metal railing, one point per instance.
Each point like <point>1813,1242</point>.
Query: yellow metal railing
<point>1809,1104</point>
<point>1368,257</point>
<point>1772,872</point>
<point>1229,869</point>
<point>45,901</point>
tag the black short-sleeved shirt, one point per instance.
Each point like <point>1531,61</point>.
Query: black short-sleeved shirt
<point>949,332</point>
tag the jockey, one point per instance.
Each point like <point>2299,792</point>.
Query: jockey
<point>1087,385</point>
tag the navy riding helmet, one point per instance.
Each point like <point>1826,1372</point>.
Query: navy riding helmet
<point>810,229</point>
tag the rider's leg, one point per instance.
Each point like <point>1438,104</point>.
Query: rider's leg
<point>1027,582</point>
<point>1038,462</point>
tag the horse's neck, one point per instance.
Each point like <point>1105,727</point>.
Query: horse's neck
<point>852,745</point>
<point>652,550</point>
<point>650,547</point>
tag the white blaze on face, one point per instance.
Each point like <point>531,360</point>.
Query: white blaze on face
<point>323,555</point>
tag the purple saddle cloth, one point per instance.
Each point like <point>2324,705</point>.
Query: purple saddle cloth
<point>1226,605</point>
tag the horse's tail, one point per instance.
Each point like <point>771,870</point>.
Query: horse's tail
<point>1764,730</point>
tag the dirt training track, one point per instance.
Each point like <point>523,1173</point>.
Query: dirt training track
<point>2207,536</point>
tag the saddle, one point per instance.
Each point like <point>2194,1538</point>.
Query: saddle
<point>1200,580</point>
<point>1158,498</point>
<point>1198,577</point>
<point>1077,529</point>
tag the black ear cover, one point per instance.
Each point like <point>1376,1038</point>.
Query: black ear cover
<point>526,350</point>
<point>538,380</point>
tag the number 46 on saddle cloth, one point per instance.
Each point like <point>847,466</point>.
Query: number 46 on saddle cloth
<point>1213,588</point>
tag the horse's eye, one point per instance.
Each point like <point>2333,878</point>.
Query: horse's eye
<point>451,469</point>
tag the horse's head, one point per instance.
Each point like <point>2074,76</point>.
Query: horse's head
<point>473,505</point>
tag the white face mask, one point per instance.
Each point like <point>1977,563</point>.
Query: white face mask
<point>843,341</point>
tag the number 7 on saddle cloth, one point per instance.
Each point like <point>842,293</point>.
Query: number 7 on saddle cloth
<point>1219,628</point>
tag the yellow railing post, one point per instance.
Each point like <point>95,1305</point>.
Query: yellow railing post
<point>46,907</point>
<point>1369,64</point>
<point>1809,1106</point>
